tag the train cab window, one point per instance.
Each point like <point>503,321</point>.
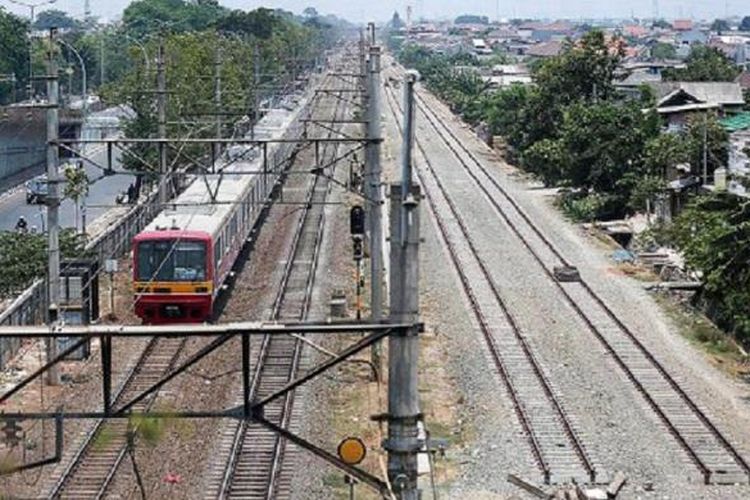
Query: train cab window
<point>171,260</point>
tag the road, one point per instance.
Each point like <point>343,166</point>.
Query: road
<point>101,194</point>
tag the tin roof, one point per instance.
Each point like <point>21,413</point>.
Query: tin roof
<point>736,122</point>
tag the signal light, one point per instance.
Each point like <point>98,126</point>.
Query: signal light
<point>357,220</point>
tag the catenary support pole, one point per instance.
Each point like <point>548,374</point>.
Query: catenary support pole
<point>408,141</point>
<point>53,200</point>
<point>161,103</point>
<point>373,193</point>
<point>403,442</point>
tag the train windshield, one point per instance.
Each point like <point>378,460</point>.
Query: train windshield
<point>171,260</point>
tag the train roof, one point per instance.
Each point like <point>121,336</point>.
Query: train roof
<point>192,210</point>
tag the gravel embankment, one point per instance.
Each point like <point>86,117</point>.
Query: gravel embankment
<point>619,429</point>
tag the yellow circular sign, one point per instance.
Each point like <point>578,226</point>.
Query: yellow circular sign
<point>352,450</point>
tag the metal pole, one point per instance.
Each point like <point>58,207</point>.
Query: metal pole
<point>161,84</point>
<point>101,60</point>
<point>53,200</point>
<point>371,29</point>
<point>408,140</point>
<point>84,79</point>
<point>216,148</point>
<point>705,149</point>
<point>31,50</point>
<point>374,197</point>
<point>256,90</point>
<point>362,63</point>
<point>403,442</point>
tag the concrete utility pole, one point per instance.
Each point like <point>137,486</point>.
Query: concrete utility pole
<point>371,29</point>
<point>403,442</point>
<point>363,62</point>
<point>408,140</point>
<point>53,201</point>
<point>373,193</point>
<point>161,86</point>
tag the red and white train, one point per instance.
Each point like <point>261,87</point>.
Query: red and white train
<point>182,259</point>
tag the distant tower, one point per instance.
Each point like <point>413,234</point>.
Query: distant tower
<point>408,16</point>
<point>87,9</point>
<point>655,7</point>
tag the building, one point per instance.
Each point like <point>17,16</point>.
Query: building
<point>480,47</point>
<point>682,25</point>
<point>738,168</point>
<point>545,49</point>
<point>505,75</point>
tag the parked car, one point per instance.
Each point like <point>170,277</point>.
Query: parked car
<point>36,190</point>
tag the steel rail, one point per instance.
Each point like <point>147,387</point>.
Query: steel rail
<point>88,450</point>
<point>707,473</point>
<point>243,427</point>
<point>543,380</point>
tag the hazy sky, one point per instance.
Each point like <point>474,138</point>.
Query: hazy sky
<point>362,10</point>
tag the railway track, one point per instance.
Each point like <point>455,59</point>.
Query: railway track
<point>255,454</point>
<point>93,468</point>
<point>555,444</point>
<point>718,461</point>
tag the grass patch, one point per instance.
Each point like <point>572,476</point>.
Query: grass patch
<point>721,348</point>
<point>637,272</point>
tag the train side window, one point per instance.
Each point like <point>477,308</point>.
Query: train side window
<point>217,253</point>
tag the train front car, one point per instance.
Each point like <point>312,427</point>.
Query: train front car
<point>173,276</point>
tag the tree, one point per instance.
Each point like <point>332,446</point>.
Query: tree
<point>23,257</point>
<point>14,63</point>
<point>584,70</point>
<point>713,234</point>
<point>745,24</point>
<point>704,64</point>
<point>310,12</point>
<point>661,50</point>
<point>546,159</point>
<point>603,143</point>
<point>396,22</point>
<point>661,24</point>
<point>76,185</point>
<point>260,23</point>
<point>720,26</point>
<point>146,16</point>
<point>471,19</point>
<point>663,153</point>
<point>54,18</point>
<point>705,133</point>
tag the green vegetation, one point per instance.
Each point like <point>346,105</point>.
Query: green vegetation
<point>471,19</point>
<point>23,258</point>
<point>662,50</point>
<point>573,130</point>
<point>720,26</point>
<point>13,55</point>
<point>53,18</point>
<point>704,64</point>
<point>194,35</point>
<point>713,233</point>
